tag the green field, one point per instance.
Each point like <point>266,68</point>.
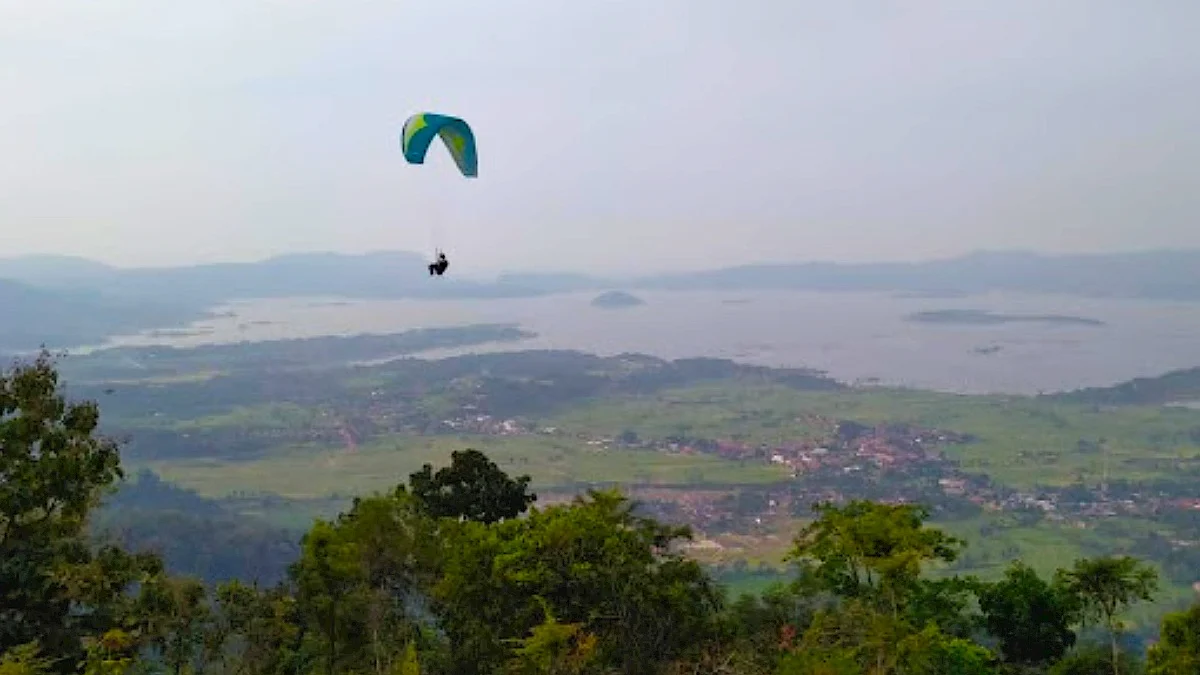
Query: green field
<point>305,471</point>
<point>1022,441</point>
<point>265,416</point>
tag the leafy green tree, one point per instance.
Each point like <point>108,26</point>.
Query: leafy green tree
<point>472,488</point>
<point>593,563</point>
<point>931,652</point>
<point>400,552</point>
<point>755,629</point>
<point>53,469</point>
<point>853,637</point>
<point>856,638</point>
<point>1092,660</point>
<point>175,615</point>
<point>255,632</point>
<point>946,603</point>
<point>1107,586</point>
<point>1029,616</point>
<point>870,550</point>
<point>1178,649</point>
<point>553,648</point>
<point>110,654</point>
<point>331,590</point>
<point>364,577</point>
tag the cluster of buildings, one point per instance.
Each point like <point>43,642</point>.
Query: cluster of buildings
<point>887,462</point>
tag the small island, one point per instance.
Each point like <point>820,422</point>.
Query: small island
<point>978,317</point>
<point>616,300</point>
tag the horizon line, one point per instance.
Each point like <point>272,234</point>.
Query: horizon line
<point>1025,252</point>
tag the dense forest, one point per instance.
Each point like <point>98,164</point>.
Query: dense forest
<point>458,572</point>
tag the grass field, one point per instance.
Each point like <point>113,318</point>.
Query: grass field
<point>1022,442</point>
<point>265,416</point>
<point>305,472</point>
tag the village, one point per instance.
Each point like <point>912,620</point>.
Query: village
<point>896,463</point>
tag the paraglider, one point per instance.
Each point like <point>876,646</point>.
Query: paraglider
<point>420,130</point>
<point>440,266</point>
<point>416,137</point>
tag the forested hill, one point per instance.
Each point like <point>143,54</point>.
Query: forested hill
<point>1179,386</point>
<point>195,536</point>
<point>31,316</point>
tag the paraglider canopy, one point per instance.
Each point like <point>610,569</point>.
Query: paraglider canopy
<point>420,130</point>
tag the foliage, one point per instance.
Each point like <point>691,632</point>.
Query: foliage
<point>24,659</point>
<point>53,468</point>
<point>871,550</point>
<point>1178,648</point>
<point>553,648</point>
<point>1093,660</point>
<point>1030,617</point>
<point>1107,586</point>
<point>471,488</point>
<point>592,563</point>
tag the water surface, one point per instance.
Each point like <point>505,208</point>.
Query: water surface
<point>852,336</point>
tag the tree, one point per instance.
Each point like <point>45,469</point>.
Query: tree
<point>1091,660</point>
<point>1107,586</point>
<point>931,652</point>
<point>330,591</point>
<point>258,631</point>
<point>851,638</point>
<point>175,616</point>
<point>1030,617</point>
<point>53,469</point>
<point>755,629</point>
<point>870,550</point>
<point>471,488</point>
<point>855,638</point>
<point>109,654</point>
<point>1178,648</point>
<point>553,648</point>
<point>591,562</point>
<point>363,578</point>
<point>399,552</point>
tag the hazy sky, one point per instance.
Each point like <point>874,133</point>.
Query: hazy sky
<point>612,133</point>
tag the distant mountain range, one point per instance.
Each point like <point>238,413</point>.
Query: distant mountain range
<point>1170,275</point>
<point>66,300</point>
<point>32,316</point>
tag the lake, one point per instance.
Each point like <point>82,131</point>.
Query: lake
<point>852,336</point>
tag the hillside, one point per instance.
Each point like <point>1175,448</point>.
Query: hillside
<point>372,275</point>
<point>35,316</point>
<point>1179,387</point>
<point>54,271</point>
<point>1155,274</point>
